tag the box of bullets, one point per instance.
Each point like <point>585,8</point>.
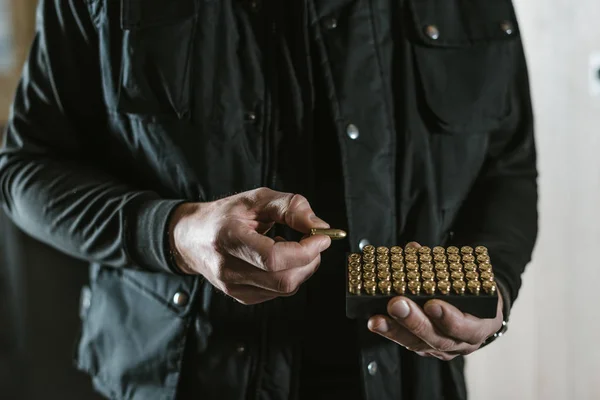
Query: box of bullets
<point>463,277</point>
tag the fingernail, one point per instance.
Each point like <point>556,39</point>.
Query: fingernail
<point>434,310</point>
<point>400,309</point>
<point>318,221</point>
<point>381,327</point>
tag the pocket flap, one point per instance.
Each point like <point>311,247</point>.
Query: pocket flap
<point>139,14</point>
<point>459,23</point>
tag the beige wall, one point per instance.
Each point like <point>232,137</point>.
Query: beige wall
<point>23,12</point>
<point>551,351</point>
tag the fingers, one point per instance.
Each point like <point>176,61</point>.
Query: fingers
<point>411,328</point>
<point>407,314</point>
<point>292,210</point>
<point>453,323</point>
<point>270,255</point>
<point>249,295</point>
<point>390,329</point>
<point>235,272</point>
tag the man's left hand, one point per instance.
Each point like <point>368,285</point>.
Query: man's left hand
<point>438,330</point>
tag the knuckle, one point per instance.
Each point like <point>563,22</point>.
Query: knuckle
<point>269,260</point>
<point>286,284</point>
<point>444,346</point>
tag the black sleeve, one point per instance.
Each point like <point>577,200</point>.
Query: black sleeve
<point>50,184</point>
<point>501,210</point>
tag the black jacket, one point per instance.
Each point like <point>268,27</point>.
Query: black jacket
<point>127,108</point>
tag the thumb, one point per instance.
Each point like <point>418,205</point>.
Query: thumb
<point>289,209</point>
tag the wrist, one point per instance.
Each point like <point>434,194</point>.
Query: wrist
<point>177,231</point>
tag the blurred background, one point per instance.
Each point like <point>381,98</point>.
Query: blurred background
<point>550,351</point>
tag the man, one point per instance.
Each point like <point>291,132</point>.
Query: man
<point>144,136</point>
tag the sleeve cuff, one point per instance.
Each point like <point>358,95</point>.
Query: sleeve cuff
<point>147,233</point>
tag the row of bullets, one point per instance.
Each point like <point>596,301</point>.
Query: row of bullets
<point>442,270</point>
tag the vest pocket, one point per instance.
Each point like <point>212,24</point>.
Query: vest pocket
<point>465,53</point>
<point>156,65</point>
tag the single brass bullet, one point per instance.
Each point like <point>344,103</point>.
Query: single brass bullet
<point>472,275</point>
<point>399,287</point>
<point>457,275</point>
<point>485,267</point>
<point>369,267</point>
<point>384,275</point>
<point>481,250</point>
<point>369,276</point>
<point>442,275</point>
<point>413,276</point>
<point>396,250</point>
<point>487,276</point>
<point>427,276</point>
<point>370,288</point>
<point>369,258</point>
<point>453,258</point>
<point>369,249</point>
<point>483,258</point>
<point>439,250</point>
<point>424,250</point>
<point>429,287</point>
<point>334,234</point>
<point>412,266</point>
<point>383,267</point>
<point>489,287</point>
<point>397,266</point>
<point>383,250</point>
<point>441,267</point>
<point>470,267</point>
<point>399,276</point>
<point>466,250</point>
<point>439,258</point>
<point>355,282</point>
<point>427,267</point>
<point>383,258</point>
<point>385,287</point>
<point>411,258</point>
<point>455,266</point>
<point>444,287</point>
<point>452,250</point>
<point>474,287</point>
<point>425,258</point>
<point>354,257</point>
<point>396,258</point>
<point>355,289</point>
<point>414,287</point>
<point>410,250</point>
<point>468,258</point>
<point>355,274</point>
<point>459,287</point>
<point>354,266</point>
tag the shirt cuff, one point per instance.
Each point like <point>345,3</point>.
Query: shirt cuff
<point>147,234</point>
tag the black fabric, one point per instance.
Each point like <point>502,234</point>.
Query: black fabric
<point>330,360</point>
<point>122,113</point>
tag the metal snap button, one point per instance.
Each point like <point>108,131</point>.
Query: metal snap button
<point>432,31</point>
<point>363,243</point>
<point>181,299</point>
<point>330,23</point>
<point>372,368</point>
<point>506,27</point>
<point>352,132</point>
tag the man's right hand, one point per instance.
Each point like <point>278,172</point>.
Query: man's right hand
<point>225,242</point>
